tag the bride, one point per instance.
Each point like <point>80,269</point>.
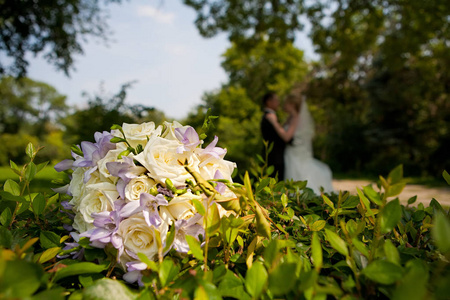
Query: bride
<point>298,156</point>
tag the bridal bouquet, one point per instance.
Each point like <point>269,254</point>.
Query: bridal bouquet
<point>142,189</point>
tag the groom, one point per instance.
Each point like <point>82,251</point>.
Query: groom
<point>276,156</point>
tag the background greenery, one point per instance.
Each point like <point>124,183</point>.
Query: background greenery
<point>379,91</point>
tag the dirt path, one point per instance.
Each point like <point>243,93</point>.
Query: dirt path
<point>424,194</point>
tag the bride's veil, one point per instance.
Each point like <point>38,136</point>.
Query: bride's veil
<point>306,121</point>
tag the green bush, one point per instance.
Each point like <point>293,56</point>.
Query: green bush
<point>299,246</point>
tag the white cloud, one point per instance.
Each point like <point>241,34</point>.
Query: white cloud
<point>156,14</point>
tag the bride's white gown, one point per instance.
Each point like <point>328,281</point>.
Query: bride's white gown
<point>298,156</point>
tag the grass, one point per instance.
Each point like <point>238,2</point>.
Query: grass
<point>41,183</point>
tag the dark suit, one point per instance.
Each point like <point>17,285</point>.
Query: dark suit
<point>276,156</point>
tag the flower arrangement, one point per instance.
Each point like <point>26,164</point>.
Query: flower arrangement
<point>142,189</point>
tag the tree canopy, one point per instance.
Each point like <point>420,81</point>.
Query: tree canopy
<point>52,28</point>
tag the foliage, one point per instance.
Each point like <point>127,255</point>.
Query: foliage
<point>52,28</point>
<point>380,81</point>
<point>268,66</point>
<point>338,246</point>
<point>102,111</point>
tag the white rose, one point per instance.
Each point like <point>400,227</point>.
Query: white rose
<point>138,237</point>
<point>137,186</point>
<point>140,133</point>
<point>77,187</point>
<point>226,168</point>
<point>111,156</point>
<point>80,224</point>
<point>99,197</point>
<point>181,207</point>
<point>162,161</point>
<point>169,132</point>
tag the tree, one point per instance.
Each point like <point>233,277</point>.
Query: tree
<point>28,105</point>
<point>268,66</point>
<point>105,110</point>
<point>53,28</point>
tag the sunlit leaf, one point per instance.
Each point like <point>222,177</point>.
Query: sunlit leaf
<point>441,232</point>
<point>336,242</point>
<point>390,216</point>
<point>256,279</point>
<point>396,175</point>
<point>316,249</point>
<point>194,246</point>
<point>167,271</point>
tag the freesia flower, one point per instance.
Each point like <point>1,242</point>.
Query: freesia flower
<point>148,204</point>
<point>186,227</point>
<point>189,137</point>
<point>125,170</point>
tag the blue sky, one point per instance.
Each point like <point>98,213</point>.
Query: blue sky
<point>156,43</point>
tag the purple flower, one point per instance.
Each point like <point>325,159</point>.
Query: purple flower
<point>126,171</point>
<point>220,186</point>
<point>106,224</point>
<point>134,274</point>
<point>77,253</point>
<point>189,137</point>
<point>212,152</point>
<point>93,152</point>
<point>186,227</point>
<point>148,204</point>
<point>64,165</point>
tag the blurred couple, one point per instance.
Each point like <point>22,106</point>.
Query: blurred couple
<point>292,153</point>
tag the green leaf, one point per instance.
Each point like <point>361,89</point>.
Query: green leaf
<point>412,200</point>
<point>264,182</point>
<point>5,237</point>
<point>213,219</point>
<point>23,207</point>
<point>49,239</point>
<point>446,177</point>
<point>391,252</point>
<point>281,279</point>
<point>390,216</point>
<point>328,201</point>
<point>48,254</point>
<point>262,225</point>
<point>106,288</point>
<point>396,175</point>
<point>5,217</point>
<point>39,204</point>
<point>232,286</point>
<point>117,139</point>
<point>194,246</point>
<point>11,187</point>
<point>284,200</point>
<point>336,242</point>
<point>30,171</point>
<point>256,279</point>
<point>167,271</point>
<point>413,285</point>
<point>30,150</point>
<point>41,166</point>
<point>372,194</point>
<point>150,263</point>
<point>360,247</point>
<point>199,206</point>
<point>170,238</point>
<point>14,167</point>
<point>396,189</point>
<point>9,197</point>
<point>365,202</point>
<point>441,232</point>
<point>78,269</point>
<point>383,272</point>
<point>318,225</point>
<point>316,249</point>
<point>22,279</point>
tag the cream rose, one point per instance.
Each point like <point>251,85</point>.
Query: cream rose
<point>137,186</point>
<point>99,197</point>
<point>80,224</point>
<point>140,133</point>
<point>169,132</point>
<point>162,161</point>
<point>181,207</point>
<point>111,156</point>
<point>138,237</point>
<point>77,187</point>
<point>225,168</point>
